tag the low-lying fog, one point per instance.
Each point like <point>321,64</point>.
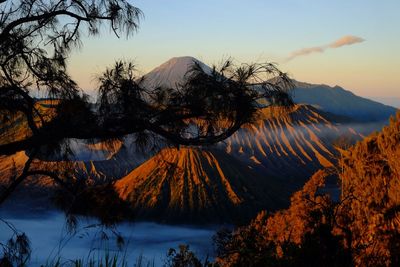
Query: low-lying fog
<point>50,239</point>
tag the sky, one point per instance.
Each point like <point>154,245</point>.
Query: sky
<point>351,43</point>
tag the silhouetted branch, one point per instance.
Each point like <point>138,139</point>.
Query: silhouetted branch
<point>7,192</point>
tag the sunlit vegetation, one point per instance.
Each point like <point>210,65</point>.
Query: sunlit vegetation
<point>370,176</point>
<point>361,229</point>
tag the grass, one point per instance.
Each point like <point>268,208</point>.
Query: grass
<point>107,260</point>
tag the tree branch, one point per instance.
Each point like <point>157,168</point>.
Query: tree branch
<point>4,195</point>
<point>25,174</point>
<point>6,31</point>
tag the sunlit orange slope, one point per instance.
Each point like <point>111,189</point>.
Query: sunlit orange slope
<point>196,185</point>
<point>257,168</point>
<point>291,144</point>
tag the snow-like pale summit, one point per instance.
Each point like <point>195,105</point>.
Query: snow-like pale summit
<point>172,72</point>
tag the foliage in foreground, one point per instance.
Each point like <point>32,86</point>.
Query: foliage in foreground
<point>361,229</point>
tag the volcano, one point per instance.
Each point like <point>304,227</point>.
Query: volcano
<point>255,169</point>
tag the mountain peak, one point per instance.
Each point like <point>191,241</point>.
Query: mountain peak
<point>172,72</point>
<point>181,60</point>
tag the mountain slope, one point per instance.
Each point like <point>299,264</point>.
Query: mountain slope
<point>172,72</point>
<point>291,144</point>
<point>257,168</point>
<point>97,162</point>
<point>339,101</point>
<point>195,185</point>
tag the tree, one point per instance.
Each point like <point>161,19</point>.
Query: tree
<point>360,229</point>
<point>36,37</point>
<point>301,235</point>
<point>370,176</point>
<point>184,257</point>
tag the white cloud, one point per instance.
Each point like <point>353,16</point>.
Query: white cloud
<point>345,40</point>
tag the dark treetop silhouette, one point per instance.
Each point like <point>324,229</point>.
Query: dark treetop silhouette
<point>36,37</point>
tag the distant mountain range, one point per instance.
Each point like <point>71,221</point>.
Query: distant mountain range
<point>334,100</point>
<point>339,101</point>
<point>256,168</point>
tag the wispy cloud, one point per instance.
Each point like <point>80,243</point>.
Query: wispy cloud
<point>345,40</point>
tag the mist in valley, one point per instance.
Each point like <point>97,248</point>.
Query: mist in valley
<point>51,239</point>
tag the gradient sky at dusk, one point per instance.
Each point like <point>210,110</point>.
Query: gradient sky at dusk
<point>257,30</point>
